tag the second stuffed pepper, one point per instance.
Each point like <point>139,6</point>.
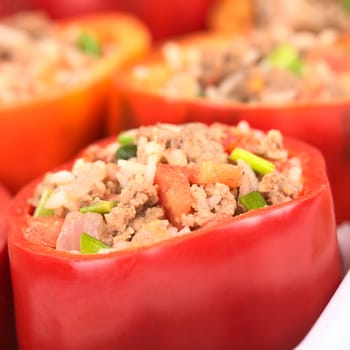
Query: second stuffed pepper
<point>54,82</point>
<point>295,82</point>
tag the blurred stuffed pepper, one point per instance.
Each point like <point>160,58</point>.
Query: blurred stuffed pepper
<point>54,80</point>
<point>7,326</point>
<point>178,237</point>
<point>296,82</point>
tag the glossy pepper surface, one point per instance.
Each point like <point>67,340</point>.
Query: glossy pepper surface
<point>46,131</point>
<point>7,327</point>
<point>165,19</point>
<point>254,281</point>
<point>325,125</point>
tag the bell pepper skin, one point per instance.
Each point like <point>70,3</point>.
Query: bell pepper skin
<point>10,7</point>
<point>7,326</point>
<point>255,281</point>
<point>325,125</point>
<point>165,19</point>
<point>44,132</point>
<point>232,15</point>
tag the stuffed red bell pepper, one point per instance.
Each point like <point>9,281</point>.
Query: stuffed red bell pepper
<point>54,82</point>
<point>176,237</point>
<point>298,83</point>
<point>7,326</point>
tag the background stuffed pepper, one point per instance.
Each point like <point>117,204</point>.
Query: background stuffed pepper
<point>274,95</point>
<point>256,280</point>
<point>48,111</point>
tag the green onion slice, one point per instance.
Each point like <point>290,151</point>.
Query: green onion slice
<point>90,244</point>
<point>100,207</point>
<point>257,163</point>
<point>124,138</point>
<point>346,4</point>
<point>89,44</point>
<point>41,210</point>
<point>253,200</point>
<point>126,151</point>
<point>287,57</point>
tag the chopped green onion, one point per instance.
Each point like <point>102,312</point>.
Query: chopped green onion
<point>125,138</point>
<point>287,57</point>
<point>126,152</point>
<point>253,200</point>
<point>89,44</point>
<point>346,4</point>
<point>90,244</point>
<point>201,93</point>
<point>257,163</point>
<point>100,207</point>
<point>41,210</point>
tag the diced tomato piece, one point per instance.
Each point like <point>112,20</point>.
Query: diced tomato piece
<point>233,140</point>
<point>174,191</point>
<point>43,230</point>
<point>210,172</point>
<point>335,58</point>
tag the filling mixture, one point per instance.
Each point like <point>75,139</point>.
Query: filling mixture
<point>265,67</point>
<point>161,181</point>
<point>313,15</point>
<point>37,57</point>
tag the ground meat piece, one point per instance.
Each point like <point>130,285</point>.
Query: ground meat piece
<point>119,217</point>
<point>207,201</point>
<point>199,144</point>
<point>280,85</point>
<point>278,188</point>
<point>139,194</point>
<point>139,231</point>
<point>221,198</point>
<point>271,146</point>
<point>215,66</point>
<point>160,133</point>
<point>133,199</point>
<point>150,214</point>
<point>151,232</point>
<point>194,142</point>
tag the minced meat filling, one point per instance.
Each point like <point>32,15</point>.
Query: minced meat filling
<point>271,66</point>
<point>180,178</point>
<point>37,57</point>
<point>313,15</point>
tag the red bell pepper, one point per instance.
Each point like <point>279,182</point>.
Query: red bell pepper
<point>7,327</point>
<point>9,7</point>
<point>48,130</point>
<point>164,18</point>
<point>233,15</point>
<point>325,125</point>
<point>254,281</point>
